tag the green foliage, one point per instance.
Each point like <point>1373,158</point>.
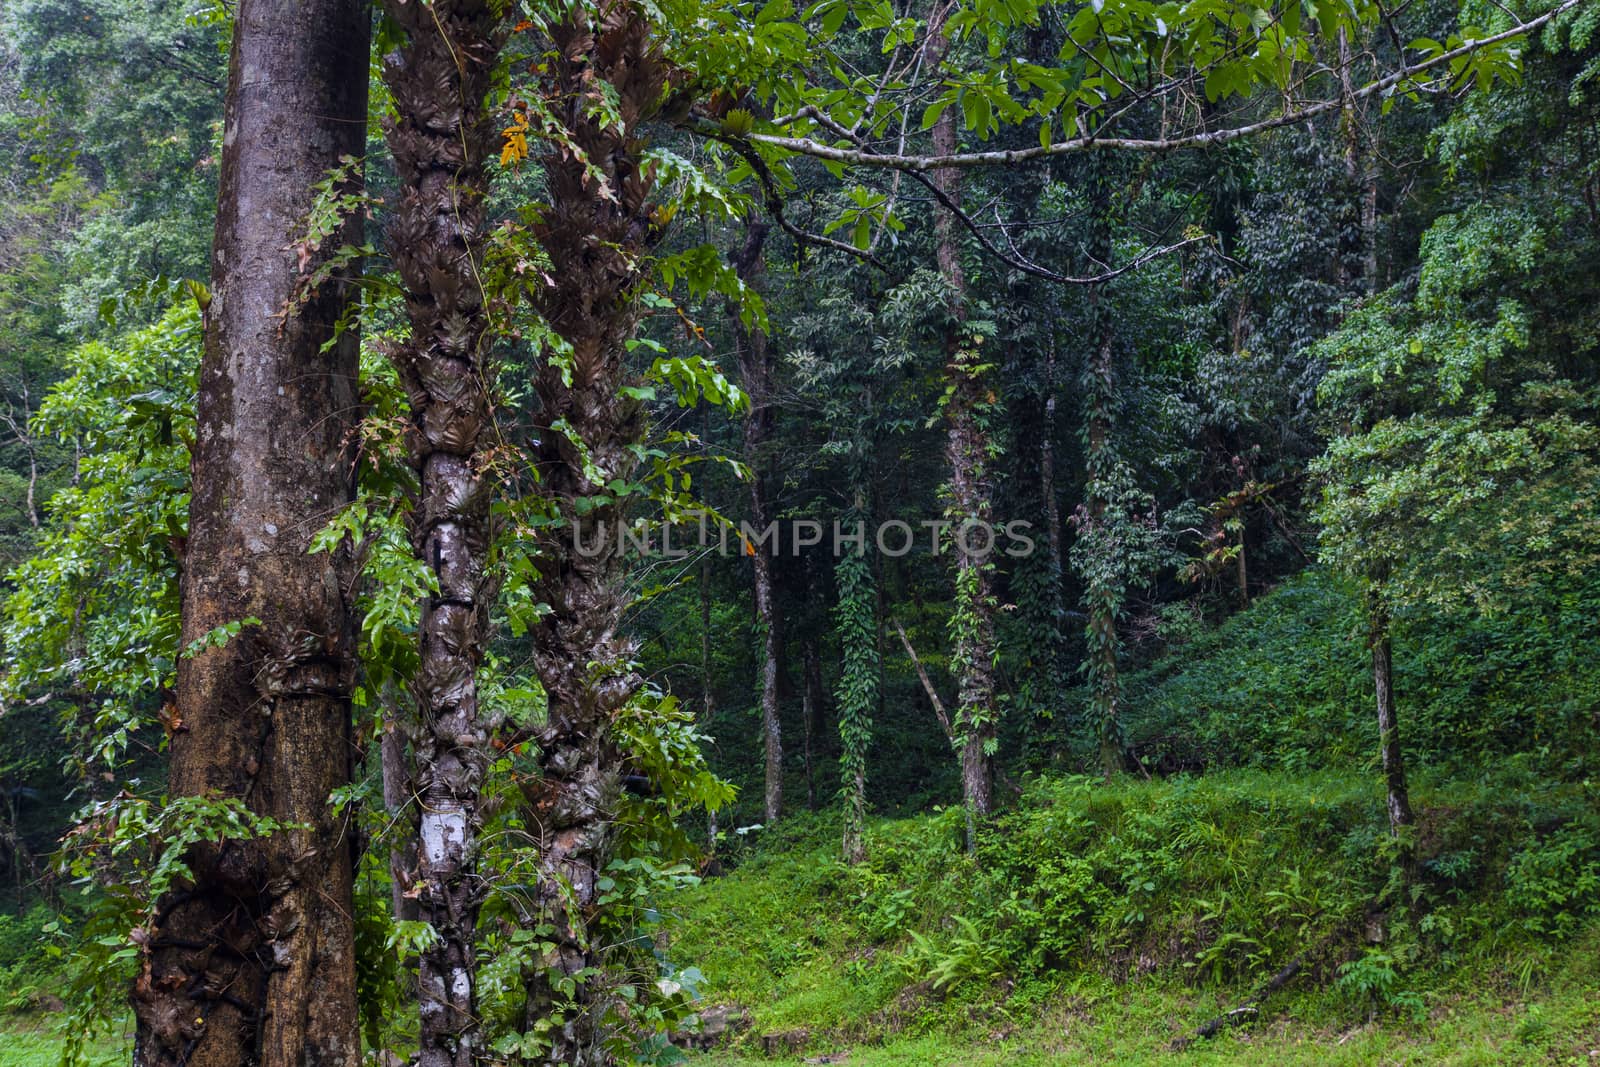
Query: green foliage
<point>967,954</point>
<point>1470,457</point>
<point>94,615</point>
<point>125,854</point>
<point>1553,884</point>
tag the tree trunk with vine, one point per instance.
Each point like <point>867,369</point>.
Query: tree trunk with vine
<point>1104,588</point>
<point>441,137</point>
<point>596,230</point>
<point>755,371</point>
<point>856,621</point>
<point>969,489</point>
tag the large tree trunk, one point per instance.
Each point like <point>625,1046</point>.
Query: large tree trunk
<point>254,962</point>
<point>596,231</point>
<point>441,136</point>
<point>755,370</point>
<point>1398,798</point>
<point>970,489</point>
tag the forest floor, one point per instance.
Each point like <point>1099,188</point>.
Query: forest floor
<point>1102,924</point>
<point>1555,1028</point>
<point>899,964</point>
<point>29,1040</point>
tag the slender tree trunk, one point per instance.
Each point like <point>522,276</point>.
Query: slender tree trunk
<point>1104,593</point>
<point>397,803</point>
<point>596,231</point>
<point>1047,473</point>
<point>707,703</point>
<point>970,490</point>
<point>253,963</point>
<point>811,715</point>
<point>856,622</point>
<point>21,434</point>
<point>1360,167</point>
<point>927,683</point>
<point>1240,564</point>
<point>441,136</point>
<point>1398,798</point>
<point>755,369</point>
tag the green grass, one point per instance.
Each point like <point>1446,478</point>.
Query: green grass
<point>35,1041</point>
<point>1098,925</point>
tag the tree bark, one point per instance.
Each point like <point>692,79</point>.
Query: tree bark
<point>1360,168</point>
<point>755,370</point>
<point>253,963</point>
<point>397,803</point>
<point>1103,594</point>
<point>441,136</point>
<point>1397,798</point>
<point>596,233</point>
<point>970,491</point>
<point>811,716</point>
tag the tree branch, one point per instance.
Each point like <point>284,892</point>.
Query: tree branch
<point>911,163</point>
<point>927,683</point>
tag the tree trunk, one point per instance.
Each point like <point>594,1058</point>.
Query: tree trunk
<point>811,715</point>
<point>755,370</point>
<point>707,701</point>
<point>1104,593</point>
<point>1360,168</point>
<point>1104,599</point>
<point>596,231</point>
<point>856,622</point>
<point>1394,772</point>
<point>397,804</point>
<point>970,489</point>
<point>1047,475</point>
<point>1240,565</point>
<point>441,136</point>
<point>253,963</point>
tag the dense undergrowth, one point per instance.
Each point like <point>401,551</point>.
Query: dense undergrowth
<point>1188,895</point>
<point>1159,904</point>
<point>1287,684</point>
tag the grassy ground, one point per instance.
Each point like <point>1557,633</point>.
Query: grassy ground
<point>36,1041</point>
<point>1138,1027</point>
<point>1131,916</point>
<point>1100,924</point>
